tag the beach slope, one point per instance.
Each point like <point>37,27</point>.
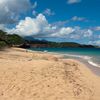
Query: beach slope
<point>26,75</point>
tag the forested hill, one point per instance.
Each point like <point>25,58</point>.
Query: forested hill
<point>9,40</point>
<point>43,43</point>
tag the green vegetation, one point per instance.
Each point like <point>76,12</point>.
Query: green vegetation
<point>14,40</point>
<point>8,40</point>
<point>2,44</point>
<point>43,43</point>
<point>63,44</point>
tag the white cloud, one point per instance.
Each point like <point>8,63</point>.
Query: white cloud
<point>73,1</point>
<point>88,33</point>
<point>97,28</point>
<point>10,10</point>
<point>34,5</point>
<point>97,42</point>
<point>81,33</point>
<point>34,12</point>
<point>32,26</point>
<point>63,32</point>
<point>39,27</point>
<point>48,12</point>
<point>60,23</point>
<point>76,18</point>
<point>2,27</point>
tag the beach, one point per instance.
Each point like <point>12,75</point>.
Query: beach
<point>33,75</point>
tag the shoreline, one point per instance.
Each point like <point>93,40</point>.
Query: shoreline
<point>43,76</point>
<point>94,69</point>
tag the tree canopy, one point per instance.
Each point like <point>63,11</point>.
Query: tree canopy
<point>10,39</point>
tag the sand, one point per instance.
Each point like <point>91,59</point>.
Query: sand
<point>43,76</point>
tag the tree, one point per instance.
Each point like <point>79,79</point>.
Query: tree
<point>10,39</point>
<point>14,39</point>
<point>2,44</point>
<point>3,35</point>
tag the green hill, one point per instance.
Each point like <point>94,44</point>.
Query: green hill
<point>8,40</point>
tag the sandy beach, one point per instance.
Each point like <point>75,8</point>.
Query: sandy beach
<point>26,75</point>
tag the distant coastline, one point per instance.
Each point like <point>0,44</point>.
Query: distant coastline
<point>14,40</point>
<point>44,43</point>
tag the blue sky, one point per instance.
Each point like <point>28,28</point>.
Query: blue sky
<point>63,11</point>
<point>55,20</point>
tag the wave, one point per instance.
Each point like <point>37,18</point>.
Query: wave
<point>79,56</point>
<point>45,51</point>
<point>93,64</point>
<point>86,58</point>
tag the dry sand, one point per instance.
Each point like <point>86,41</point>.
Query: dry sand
<point>42,76</point>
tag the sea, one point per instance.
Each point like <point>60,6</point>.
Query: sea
<point>89,55</point>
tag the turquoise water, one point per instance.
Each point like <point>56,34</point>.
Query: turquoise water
<point>91,55</point>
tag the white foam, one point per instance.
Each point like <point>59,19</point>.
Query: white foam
<point>87,58</point>
<point>45,51</point>
<point>93,64</point>
<point>79,56</point>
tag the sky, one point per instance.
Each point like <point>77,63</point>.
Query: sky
<point>53,20</point>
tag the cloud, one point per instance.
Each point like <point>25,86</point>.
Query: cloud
<point>73,1</point>
<point>62,32</point>
<point>10,10</point>
<point>34,12</point>
<point>2,27</point>
<point>97,42</point>
<point>39,27</point>
<point>76,18</point>
<point>60,23</point>
<point>34,5</point>
<point>97,28</point>
<point>48,12</point>
<point>88,33</point>
<point>81,33</point>
<point>32,26</point>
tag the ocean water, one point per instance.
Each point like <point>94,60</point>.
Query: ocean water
<point>90,55</point>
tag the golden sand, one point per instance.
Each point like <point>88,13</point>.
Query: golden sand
<point>42,76</point>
